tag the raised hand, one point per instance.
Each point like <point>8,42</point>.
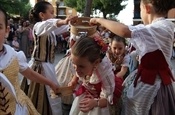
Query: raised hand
<point>71,18</point>
<point>94,21</point>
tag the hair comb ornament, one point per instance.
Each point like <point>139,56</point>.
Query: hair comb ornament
<point>101,43</point>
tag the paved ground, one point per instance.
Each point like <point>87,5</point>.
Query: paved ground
<point>58,57</point>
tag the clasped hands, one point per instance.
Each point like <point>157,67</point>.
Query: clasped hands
<point>88,102</point>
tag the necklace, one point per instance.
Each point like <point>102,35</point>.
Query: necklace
<point>87,79</point>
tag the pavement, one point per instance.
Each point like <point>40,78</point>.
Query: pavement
<point>58,57</point>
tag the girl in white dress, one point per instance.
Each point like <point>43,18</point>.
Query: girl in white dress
<point>120,59</point>
<point>95,76</point>
<point>152,92</point>
<point>42,58</point>
<point>13,100</point>
<point>119,56</point>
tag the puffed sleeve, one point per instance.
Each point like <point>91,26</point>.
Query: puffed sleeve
<point>45,27</point>
<point>126,61</point>
<point>107,78</point>
<point>23,65</point>
<point>136,37</point>
<point>61,29</point>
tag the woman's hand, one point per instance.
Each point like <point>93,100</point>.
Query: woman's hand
<point>87,103</point>
<point>71,18</point>
<point>94,21</point>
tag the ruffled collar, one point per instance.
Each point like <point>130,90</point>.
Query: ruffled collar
<point>158,19</point>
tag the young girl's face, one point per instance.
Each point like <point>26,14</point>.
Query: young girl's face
<point>117,48</point>
<point>82,66</point>
<point>49,13</point>
<point>3,29</point>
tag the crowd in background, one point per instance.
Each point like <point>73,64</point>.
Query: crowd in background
<point>21,38</point>
<point>114,77</point>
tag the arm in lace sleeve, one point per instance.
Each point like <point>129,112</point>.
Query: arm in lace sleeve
<point>45,27</point>
<point>107,78</point>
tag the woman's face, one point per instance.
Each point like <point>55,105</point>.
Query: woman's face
<point>82,66</point>
<point>3,29</point>
<point>117,48</point>
<point>24,24</point>
<point>49,14</point>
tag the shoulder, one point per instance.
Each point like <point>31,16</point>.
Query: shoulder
<point>136,27</point>
<point>105,64</point>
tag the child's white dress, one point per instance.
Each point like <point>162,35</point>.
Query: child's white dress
<point>102,80</point>
<point>144,96</point>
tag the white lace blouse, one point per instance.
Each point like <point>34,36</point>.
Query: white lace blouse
<point>158,35</point>
<point>105,75</point>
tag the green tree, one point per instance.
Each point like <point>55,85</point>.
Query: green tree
<point>76,4</point>
<point>111,7</point>
<point>16,7</point>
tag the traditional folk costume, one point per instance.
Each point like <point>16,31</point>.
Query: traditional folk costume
<point>64,69</point>
<point>64,73</point>
<point>13,100</point>
<point>117,62</point>
<point>42,61</point>
<point>151,92</point>
<point>101,81</point>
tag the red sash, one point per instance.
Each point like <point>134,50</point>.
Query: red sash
<point>153,64</point>
<point>96,88</point>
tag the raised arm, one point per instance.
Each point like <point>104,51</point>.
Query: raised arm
<point>49,25</point>
<point>114,26</point>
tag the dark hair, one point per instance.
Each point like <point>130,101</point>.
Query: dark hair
<point>5,16</point>
<point>87,47</point>
<point>39,7</point>
<point>118,39</point>
<point>161,7</point>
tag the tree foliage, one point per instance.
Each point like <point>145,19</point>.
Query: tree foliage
<point>16,7</point>
<point>76,4</point>
<point>105,6</point>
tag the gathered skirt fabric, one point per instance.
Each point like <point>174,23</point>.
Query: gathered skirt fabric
<point>40,93</point>
<point>145,99</point>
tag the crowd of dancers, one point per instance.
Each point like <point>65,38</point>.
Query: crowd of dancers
<point>122,70</point>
